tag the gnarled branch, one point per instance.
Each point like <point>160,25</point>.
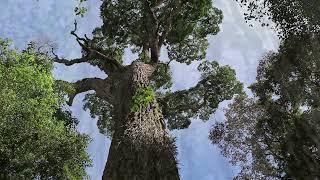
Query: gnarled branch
<point>92,53</point>
<point>101,86</point>
<point>68,62</point>
<point>87,46</point>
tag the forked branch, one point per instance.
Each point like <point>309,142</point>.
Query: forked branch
<point>68,62</point>
<point>91,53</point>
<point>88,47</point>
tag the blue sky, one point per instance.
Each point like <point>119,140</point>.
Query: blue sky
<point>236,45</point>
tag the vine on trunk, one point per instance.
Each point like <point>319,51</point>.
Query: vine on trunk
<point>142,98</point>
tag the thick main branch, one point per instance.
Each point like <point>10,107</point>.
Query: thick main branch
<point>70,62</point>
<point>101,86</point>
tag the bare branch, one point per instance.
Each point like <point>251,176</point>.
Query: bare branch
<point>68,62</point>
<point>91,51</point>
<point>74,33</point>
<point>85,35</point>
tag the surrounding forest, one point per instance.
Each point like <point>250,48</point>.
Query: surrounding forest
<point>273,133</point>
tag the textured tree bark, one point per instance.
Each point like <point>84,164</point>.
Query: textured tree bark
<point>141,148</point>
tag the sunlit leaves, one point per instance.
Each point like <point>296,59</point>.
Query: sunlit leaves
<point>37,138</point>
<point>141,98</point>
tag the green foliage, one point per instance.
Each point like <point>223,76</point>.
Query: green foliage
<point>80,10</point>
<point>141,98</point>
<point>275,135</point>
<point>292,17</point>
<point>162,77</point>
<point>66,117</point>
<point>103,110</point>
<point>293,73</point>
<point>107,45</point>
<point>216,85</point>
<point>190,49</point>
<point>189,42</point>
<point>63,89</point>
<point>144,57</point>
<point>268,141</point>
<point>37,137</point>
<point>131,23</point>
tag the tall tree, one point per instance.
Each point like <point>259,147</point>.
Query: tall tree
<point>275,134</point>
<point>38,139</point>
<point>134,101</point>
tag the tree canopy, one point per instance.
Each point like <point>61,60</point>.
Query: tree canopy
<point>291,17</point>
<point>38,139</point>
<point>180,26</point>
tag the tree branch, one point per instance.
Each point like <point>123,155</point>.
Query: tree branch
<point>168,24</point>
<point>153,34</point>
<point>167,29</point>
<point>68,62</point>
<point>93,52</point>
<point>101,86</point>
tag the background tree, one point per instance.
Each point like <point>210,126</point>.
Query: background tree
<point>135,100</point>
<point>275,134</point>
<point>291,17</point>
<point>38,139</point>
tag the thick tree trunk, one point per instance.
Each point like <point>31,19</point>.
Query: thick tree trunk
<point>141,148</point>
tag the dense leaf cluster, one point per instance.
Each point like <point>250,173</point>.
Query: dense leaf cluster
<point>38,139</point>
<point>217,83</point>
<point>141,98</point>
<point>184,25</point>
